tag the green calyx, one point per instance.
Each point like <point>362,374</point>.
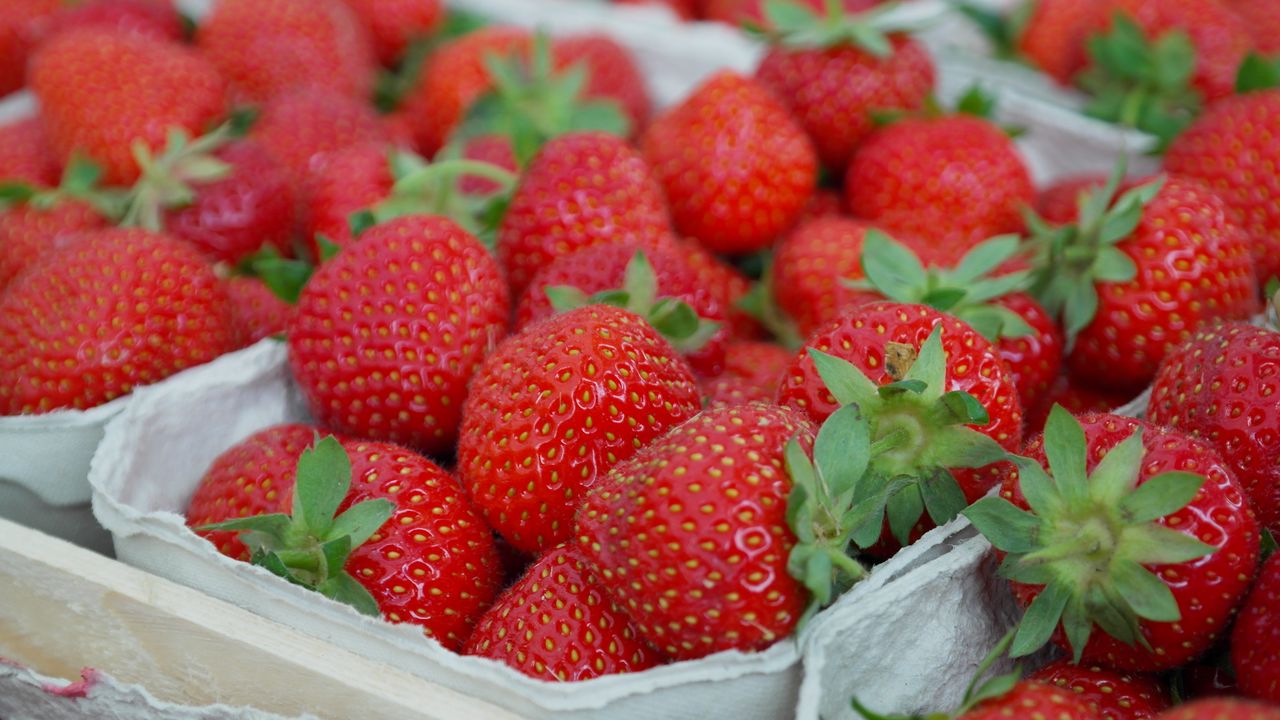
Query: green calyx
<point>285,277</point>
<point>80,181</point>
<point>793,25</point>
<point>1002,30</point>
<point>169,180</point>
<point>1141,83</point>
<point>965,291</point>
<point>675,319</point>
<point>1070,260</point>
<point>1088,539</point>
<point>310,546</point>
<point>531,103</point>
<point>917,433</point>
<point>1257,73</point>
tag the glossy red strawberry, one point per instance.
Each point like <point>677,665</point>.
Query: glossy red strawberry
<point>267,47</point>
<point>1112,695</point>
<point>25,155</point>
<point>1255,641</point>
<point>612,73</point>
<point>393,24</point>
<point>558,623</point>
<point>690,535</point>
<point>752,371</point>
<point>736,168</point>
<point>954,181</point>
<point>1174,559</point>
<point>492,149</point>
<point>1032,700</point>
<point>77,77</point>
<point>1075,397</point>
<point>156,19</point>
<point>725,283</point>
<point>257,312</point>
<point>27,232</point>
<point>1262,20</point>
<point>580,190</point>
<point>557,405</point>
<point>1053,38</point>
<point>1222,709</point>
<point>343,182</point>
<point>389,332</point>
<point>809,265</point>
<point>1059,203</point>
<point>1248,178</point>
<point>22,24</point>
<point>1222,385</point>
<point>113,310</point>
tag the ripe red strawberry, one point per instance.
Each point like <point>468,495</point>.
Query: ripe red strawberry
<point>690,535</point>
<point>343,182</point>
<point>1262,20</point>
<point>1145,271</point>
<point>954,180</point>
<point>824,203</point>
<point>267,47</point>
<point>752,373</point>
<point>725,283</point>
<point>557,405</point>
<point>388,333</point>
<point>837,72</point>
<point>1075,397</point>
<point>739,12</point>
<point>612,275</point>
<point>1248,178</point>
<point>25,155</point>
<point>1052,36</point>
<point>492,149</point>
<point>1031,700</point>
<point>1059,203</point>
<point>580,190</point>
<point>1255,641</point>
<point>1223,708</point>
<point>256,311</point>
<point>156,19</point>
<point>393,24</point>
<point>111,311</point>
<point>22,24</point>
<point>1221,385</point>
<point>27,232</point>
<point>1112,695</point>
<point>452,78</point>
<point>415,551</point>
<point>950,408</point>
<point>557,623</point>
<point>1146,517</point>
<point>88,109</point>
<point>612,73</point>
<point>736,168</point>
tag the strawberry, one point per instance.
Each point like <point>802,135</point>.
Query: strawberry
<point>25,155</point>
<point>28,231</point>
<point>612,74</point>
<point>1221,385</point>
<point>955,180</point>
<point>77,75</point>
<point>111,311</point>
<point>557,623</point>
<point>373,525</point>
<point>752,12</point>
<point>1262,20</point>
<point>22,24</point>
<point>492,149</point>
<point>1248,179</point>
<point>939,400</point>
<point>1075,397</point>
<point>652,283</point>
<point>690,535</point>
<point>824,203</point>
<point>156,19</point>
<point>344,182</point>
<point>393,24</point>
<point>453,77</point>
<point>1135,276</point>
<point>1053,35</point>
<point>808,266</point>
<point>1222,709</point>
<point>267,47</point>
<point>1059,203</point>
<point>1255,641</point>
<point>835,72</point>
<point>1112,695</point>
<point>725,283</point>
<point>752,372</point>
<point>737,170</point>
<point>558,404</point>
<point>1031,700</point>
<point>580,190</point>
<point>388,333</point>
<point>1140,531</point>
<point>256,311</point>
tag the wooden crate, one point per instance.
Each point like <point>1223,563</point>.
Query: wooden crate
<point>63,608</point>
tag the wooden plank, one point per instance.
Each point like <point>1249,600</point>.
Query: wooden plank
<point>63,608</point>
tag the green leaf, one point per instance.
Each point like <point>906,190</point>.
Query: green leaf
<point>1114,265</point>
<point>891,268</point>
<point>328,248</point>
<point>1041,618</point>
<point>902,387</point>
<point>1004,525</point>
<point>1257,73</point>
<point>943,498</point>
<point>16,192</point>
<point>344,588</point>
<point>995,322</point>
<point>977,102</point>
<point>843,449</point>
<point>964,447</point>
<point>641,283</point>
<point>1116,473</point>
<point>904,510</point>
<point>1013,568</point>
<point>817,577</point>
<point>1161,495</point>
<point>1145,593</point>
<point>930,366</point>
<point>986,256</point>
<point>871,40</point>
<point>285,278</point>
<point>1111,613</point>
<point>965,408</point>
<point>334,554</point>
<point>1174,60</point>
<point>276,566</point>
<point>273,525</point>
<point>786,16</point>
<point>1041,492</point>
<point>599,116</point>
<point>360,221</point>
<point>564,298</point>
<point>1065,448</point>
<point>323,478</point>
<point>846,382</point>
<point>943,299</point>
<point>1269,544</point>
<point>1081,307</point>
<point>1077,626</point>
<point>360,521</point>
<point>1120,222</point>
<point>1158,545</point>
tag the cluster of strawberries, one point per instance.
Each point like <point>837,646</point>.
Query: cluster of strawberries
<point>596,388</point>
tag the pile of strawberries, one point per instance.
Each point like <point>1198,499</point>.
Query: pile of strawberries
<point>596,386</point>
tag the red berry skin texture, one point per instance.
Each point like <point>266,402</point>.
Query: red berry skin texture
<point>557,623</point>
<point>737,169</point>
<point>1207,589</point>
<point>1054,36</point>
<point>690,535</point>
<point>388,333</point>
<point>1223,385</point>
<point>1034,360</point>
<point>1032,700</point>
<point>752,371</point>
<point>393,24</point>
<point>345,181</point>
<point>156,19</point>
<point>1222,708</point>
<point>834,92</point>
<point>111,311</point>
<point>1262,19</point>
<point>557,405</point>
<point>612,73</point>
<point>809,264</point>
<point>955,180</point>
<point>27,232</point>
<point>1247,175</point>
<point>1255,642</point>
<point>1193,264</point>
<point>725,283</point>
<point>1075,397</point>
<point>1112,695</point>
<point>25,155</point>
<point>259,313</point>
